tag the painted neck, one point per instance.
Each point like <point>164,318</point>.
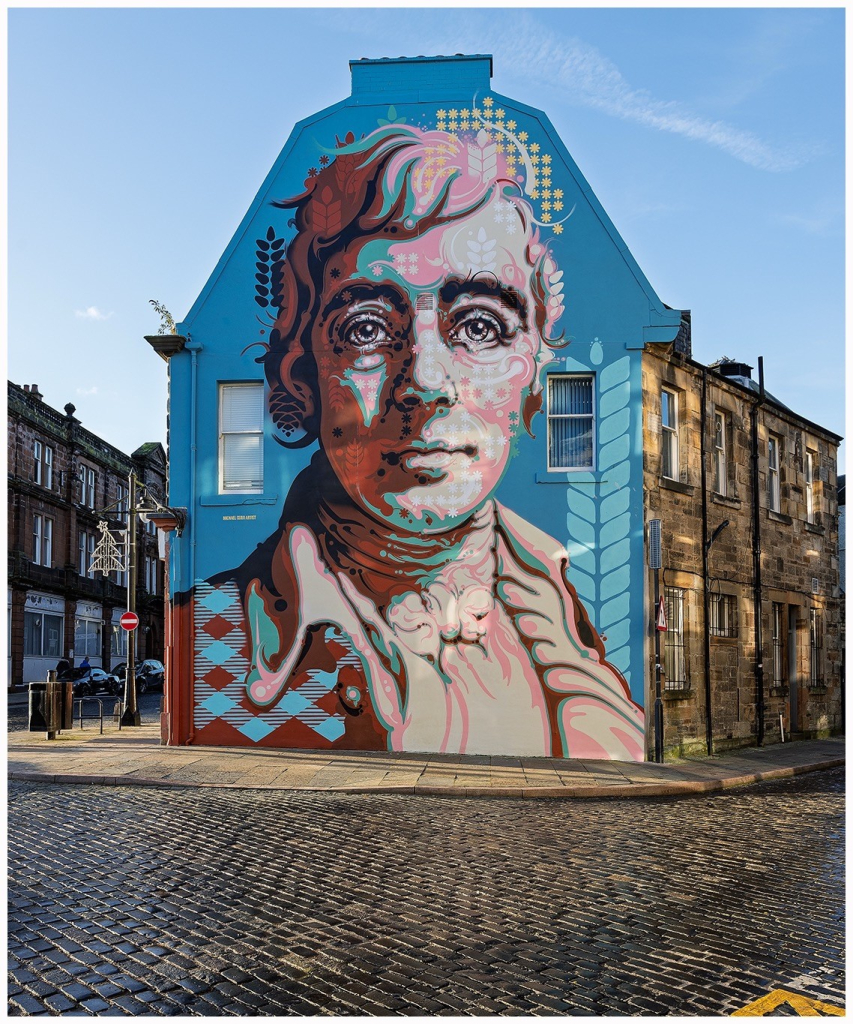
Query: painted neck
<point>389,561</point>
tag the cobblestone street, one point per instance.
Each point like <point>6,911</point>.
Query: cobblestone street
<point>250,903</point>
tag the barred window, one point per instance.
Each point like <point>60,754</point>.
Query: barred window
<point>674,654</point>
<point>571,421</point>
<point>723,615</point>
<point>816,647</point>
<point>778,645</point>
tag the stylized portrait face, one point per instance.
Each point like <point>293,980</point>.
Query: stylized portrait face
<point>426,351</point>
<point>425,339</point>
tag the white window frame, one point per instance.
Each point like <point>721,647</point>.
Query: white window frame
<point>811,516</point>
<point>88,640</point>
<point>85,553</point>
<point>669,438</point>
<point>774,490</point>
<point>118,641</point>
<point>122,502</point>
<point>151,575</point>
<point>551,416</point>
<point>43,650</point>
<point>42,540</point>
<point>224,488</point>
<point>721,454</point>
<point>43,464</point>
<point>88,479</point>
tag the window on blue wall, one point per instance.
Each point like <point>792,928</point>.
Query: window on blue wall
<point>241,453</point>
<point>571,421</point>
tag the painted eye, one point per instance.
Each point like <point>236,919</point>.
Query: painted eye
<point>365,331</point>
<point>478,330</point>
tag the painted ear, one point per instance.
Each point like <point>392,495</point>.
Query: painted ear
<point>292,403</point>
<point>532,405</point>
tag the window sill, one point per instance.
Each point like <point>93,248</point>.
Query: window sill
<point>219,500</point>
<point>814,528</point>
<point>676,485</point>
<point>722,636</point>
<point>682,693</point>
<point>819,690</point>
<point>585,477</point>
<point>778,691</point>
<point>779,517</point>
<point>724,499</point>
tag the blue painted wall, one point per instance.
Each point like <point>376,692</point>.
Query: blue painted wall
<point>610,310</point>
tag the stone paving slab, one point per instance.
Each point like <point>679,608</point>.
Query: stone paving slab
<point>135,757</point>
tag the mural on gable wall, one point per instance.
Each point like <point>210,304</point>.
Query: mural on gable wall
<point>414,304</point>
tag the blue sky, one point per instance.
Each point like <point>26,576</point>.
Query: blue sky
<point>714,138</point>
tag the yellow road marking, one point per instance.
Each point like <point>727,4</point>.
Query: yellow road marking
<point>804,1006</point>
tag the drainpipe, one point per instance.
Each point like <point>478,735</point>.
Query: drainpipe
<point>709,728</point>
<point>193,347</point>
<point>756,558</point>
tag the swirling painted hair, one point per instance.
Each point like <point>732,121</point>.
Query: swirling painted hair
<point>396,183</point>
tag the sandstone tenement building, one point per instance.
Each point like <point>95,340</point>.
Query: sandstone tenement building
<point>745,490</point>
<point>60,478</point>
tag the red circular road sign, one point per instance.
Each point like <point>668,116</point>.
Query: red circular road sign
<point>128,621</point>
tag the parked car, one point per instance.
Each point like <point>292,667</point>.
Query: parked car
<point>149,675</point>
<point>88,681</point>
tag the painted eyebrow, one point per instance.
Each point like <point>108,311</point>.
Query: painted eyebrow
<point>489,287</point>
<point>359,291</point>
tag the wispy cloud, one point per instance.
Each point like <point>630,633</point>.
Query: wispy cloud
<point>87,391</point>
<point>92,313</point>
<point>589,78</point>
<point>815,222</point>
<point>585,76</point>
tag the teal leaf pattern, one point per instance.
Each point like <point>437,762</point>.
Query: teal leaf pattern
<point>598,520</point>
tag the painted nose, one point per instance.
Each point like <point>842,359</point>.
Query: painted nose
<point>431,363</point>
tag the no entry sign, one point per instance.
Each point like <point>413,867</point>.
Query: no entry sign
<point>128,621</point>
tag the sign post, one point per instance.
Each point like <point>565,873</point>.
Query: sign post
<point>131,714</point>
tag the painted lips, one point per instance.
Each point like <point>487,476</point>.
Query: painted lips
<point>435,458</point>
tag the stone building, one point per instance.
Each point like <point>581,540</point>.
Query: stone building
<point>61,477</point>
<point>745,490</point>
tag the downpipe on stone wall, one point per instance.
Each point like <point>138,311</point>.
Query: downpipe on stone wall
<point>756,557</point>
<point>703,426</point>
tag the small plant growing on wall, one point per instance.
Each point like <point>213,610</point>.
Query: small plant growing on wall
<point>167,321</point>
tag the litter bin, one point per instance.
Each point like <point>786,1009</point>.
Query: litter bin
<point>51,706</point>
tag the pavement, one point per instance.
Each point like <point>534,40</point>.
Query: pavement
<point>133,756</point>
